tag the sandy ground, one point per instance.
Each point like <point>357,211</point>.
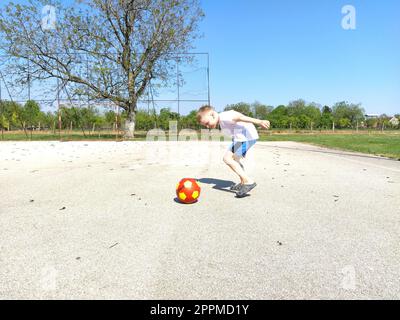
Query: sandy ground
<point>95,220</point>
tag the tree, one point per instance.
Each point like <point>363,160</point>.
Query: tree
<point>3,119</point>
<point>313,112</point>
<point>279,117</point>
<point>372,122</point>
<point>144,120</point>
<point>241,107</point>
<point>68,116</point>
<point>304,122</point>
<point>353,112</point>
<point>326,118</point>
<point>260,111</point>
<point>30,114</point>
<point>83,117</point>
<point>296,108</point>
<point>110,117</point>
<point>190,121</point>
<point>383,121</point>
<point>87,116</point>
<point>344,123</point>
<point>48,119</point>
<point>16,115</point>
<point>165,116</point>
<point>125,43</point>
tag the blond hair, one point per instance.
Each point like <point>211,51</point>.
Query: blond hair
<point>202,110</point>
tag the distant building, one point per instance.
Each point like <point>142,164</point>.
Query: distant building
<point>394,121</point>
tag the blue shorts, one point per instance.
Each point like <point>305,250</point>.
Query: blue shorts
<point>240,148</point>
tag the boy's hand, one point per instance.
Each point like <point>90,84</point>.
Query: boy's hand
<point>265,124</point>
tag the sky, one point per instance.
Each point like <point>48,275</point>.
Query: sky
<point>276,51</point>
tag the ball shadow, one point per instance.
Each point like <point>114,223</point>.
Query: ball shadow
<point>180,202</point>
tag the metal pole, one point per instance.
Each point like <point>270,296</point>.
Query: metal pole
<point>208,78</point>
<point>154,107</point>
<point>177,83</point>
<point>148,99</point>
<point>2,111</point>
<point>116,123</point>
<point>29,81</point>
<point>58,108</point>
<point>87,77</point>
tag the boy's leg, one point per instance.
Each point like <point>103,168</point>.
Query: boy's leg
<point>239,159</point>
<point>247,186</point>
<point>237,186</point>
<point>229,159</point>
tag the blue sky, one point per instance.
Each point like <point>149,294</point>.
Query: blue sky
<point>275,51</point>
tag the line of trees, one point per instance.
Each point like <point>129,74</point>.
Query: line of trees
<point>296,115</point>
<point>29,117</point>
<point>299,114</point>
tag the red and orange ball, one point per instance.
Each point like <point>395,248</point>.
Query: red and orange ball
<point>188,191</point>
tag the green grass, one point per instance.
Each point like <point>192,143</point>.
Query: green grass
<point>387,145</point>
<point>65,136</point>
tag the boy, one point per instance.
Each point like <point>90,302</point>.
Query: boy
<point>244,136</point>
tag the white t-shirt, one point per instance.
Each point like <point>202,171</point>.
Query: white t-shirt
<point>240,131</point>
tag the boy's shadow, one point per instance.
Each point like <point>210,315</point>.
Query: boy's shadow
<point>222,185</point>
<point>218,184</point>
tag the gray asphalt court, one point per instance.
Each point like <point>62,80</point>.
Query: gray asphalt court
<point>100,220</point>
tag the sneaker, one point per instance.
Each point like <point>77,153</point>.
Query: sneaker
<point>235,187</point>
<point>245,189</point>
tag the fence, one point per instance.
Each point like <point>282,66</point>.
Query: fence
<point>189,88</point>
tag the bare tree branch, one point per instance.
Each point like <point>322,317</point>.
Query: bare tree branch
<point>126,44</point>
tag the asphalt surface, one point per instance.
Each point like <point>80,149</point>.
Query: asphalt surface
<point>99,220</point>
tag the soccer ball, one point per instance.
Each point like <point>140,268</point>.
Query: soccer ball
<point>188,191</point>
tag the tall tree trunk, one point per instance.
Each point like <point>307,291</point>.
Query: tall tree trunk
<point>130,124</point>
<point>131,107</point>
<point>130,120</point>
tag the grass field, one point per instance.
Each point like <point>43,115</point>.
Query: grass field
<point>375,142</point>
<point>66,136</point>
<point>387,145</point>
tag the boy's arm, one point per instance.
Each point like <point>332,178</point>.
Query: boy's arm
<point>242,118</point>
